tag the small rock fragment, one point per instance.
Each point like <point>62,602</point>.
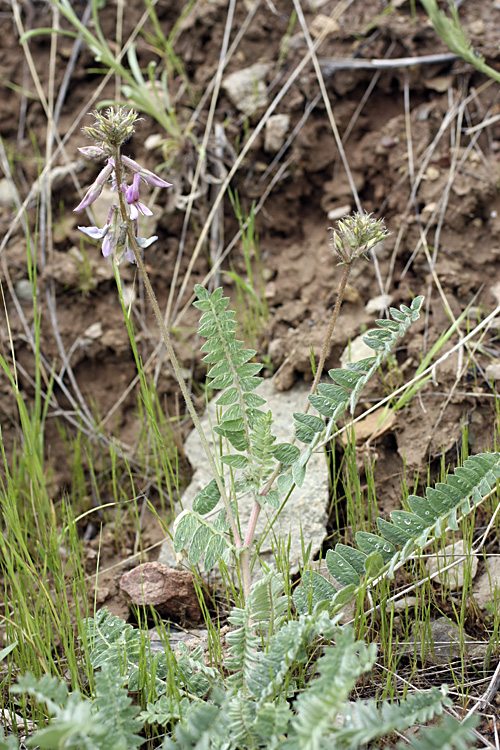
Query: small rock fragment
<point>276,129</point>
<point>247,88</point>
<point>376,304</point>
<point>477,27</point>
<point>24,290</point>
<point>323,24</point>
<point>171,592</point>
<point>488,583</point>
<point>432,173</point>
<point>444,643</point>
<point>334,214</point>
<point>492,371</point>
<point>351,294</point>
<point>7,193</point>
<point>355,350</point>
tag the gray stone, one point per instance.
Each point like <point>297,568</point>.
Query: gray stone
<point>487,584</point>
<point>7,193</point>
<point>304,517</point>
<point>247,88</point>
<point>444,643</point>
<point>492,371</point>
<point>377,304</point>
<point>356,350</point>
<point>452,577</point>
<point>24,290</point>
<point>275,132</point>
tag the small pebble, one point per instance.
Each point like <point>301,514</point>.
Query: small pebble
<point>338,213</point>
<point>24,290</point>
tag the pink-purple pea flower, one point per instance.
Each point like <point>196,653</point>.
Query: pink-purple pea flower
<point>116,233</point>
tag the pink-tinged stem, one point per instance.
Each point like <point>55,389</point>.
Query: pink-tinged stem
<point>245,555</point>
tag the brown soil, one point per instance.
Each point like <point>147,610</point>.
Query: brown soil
<point>451,222</point>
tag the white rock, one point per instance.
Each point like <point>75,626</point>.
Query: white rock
<point>338,213</point>
<point>355,350</point>
<point>376,304</point>
<point>275,132</point>
<point>24,290</point>
<point>304,517</point>
<point>452,577</point>
<point>247,88</point>
<point>7,193</point>
<point>492,372</point>
<point>489,582</point>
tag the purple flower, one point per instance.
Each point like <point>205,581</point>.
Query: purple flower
<point>132,198</point>
<point>150,177</point>
<point>95,189</point>
<point>117,233</point>
<point>116,238</point>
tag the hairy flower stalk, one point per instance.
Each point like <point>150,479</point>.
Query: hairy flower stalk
<point>354,237</point>
<point>120,240</point>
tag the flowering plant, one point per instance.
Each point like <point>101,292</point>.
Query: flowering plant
<point>119,235</point>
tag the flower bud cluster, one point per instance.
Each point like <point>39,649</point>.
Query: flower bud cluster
<point>356,235</point>
<point>120,231</point>
<point>112,129</point>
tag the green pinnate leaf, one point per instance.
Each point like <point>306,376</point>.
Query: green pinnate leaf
<point>186,525</point>
<point>215,550</point>
<point>372,543</point>
<point>299,473</point>
<point>345,378</point>
<point>340,569</point>
<point>408,521</point>
<point>236,462</point>
<point>201,292</point>
<point>228,397</point>
<point>230,426</point>
<point>234,412</point>
<point>199,543</point>
<point>253,400</point>
<point>286,453</point>
<point>250,384</point>
<point>397,315</point>
<point>310,421</point>
<point>393,533</point>
<point>222,382</point>
<point>242,356</point>
<point>417,303</point>
<point>374,342</point>
<point>206,500</point>
<point>353,556</point>
<point>324,405</point>
<point>273,499</point>
<point>202,305</point>
<point>221,368</point>
<point>249,370</point>
<point>284,483</point>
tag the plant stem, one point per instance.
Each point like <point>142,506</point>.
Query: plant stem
<point>172,355</point>
<point>180,379</point>
<point>328,338</point>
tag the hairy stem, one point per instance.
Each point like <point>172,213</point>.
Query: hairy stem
<point>324,354</point>
<point>328,338</point>
<point>184,389</point>
<point>172,355</point>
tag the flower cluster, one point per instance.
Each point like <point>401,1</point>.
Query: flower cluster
<point>356,235</point>
<point>119,234</point>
